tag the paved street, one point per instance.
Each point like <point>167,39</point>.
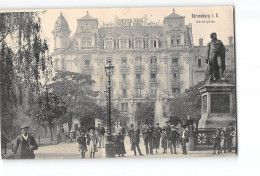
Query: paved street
<point>70,151</point>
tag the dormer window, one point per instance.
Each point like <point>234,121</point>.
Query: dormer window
<point>138,43</point>
<point>123,43</point>
<point>89,42</point>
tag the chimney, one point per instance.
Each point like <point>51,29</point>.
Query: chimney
<point>230,39</point>
<point>201,42</point>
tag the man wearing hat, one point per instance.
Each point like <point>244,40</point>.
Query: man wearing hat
<point>147,135</point>
<point>173,138</point>
<point>136,141</point>
<point>229,136</point>
<point>167,129</point>
<point>157,136</point>
<point>25,144</point>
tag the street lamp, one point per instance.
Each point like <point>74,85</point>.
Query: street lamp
<point>110,152</point>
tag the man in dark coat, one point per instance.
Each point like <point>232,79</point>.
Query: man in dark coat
<point>216,142</point>
<point>173,138</point>
<point>25,144</point>
<point>130,134</point>
<point>185,139</point>
<point>167,129</point>
<point>136,141</point>
<point>157,136</point>
<point>148,139</point>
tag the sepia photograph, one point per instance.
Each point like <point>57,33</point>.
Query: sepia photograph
<point>96,83</point>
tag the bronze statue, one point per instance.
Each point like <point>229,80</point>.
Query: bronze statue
<point>216,58</point>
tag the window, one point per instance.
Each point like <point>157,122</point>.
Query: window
<point>175,61</point>
<point>89,42</point>
<point>124,77</point>
<point>138,60</point>
<point>83,43</point>
<point>109,44</point>
<point>124,107</point>
<point>172,40</point>
<point>199,62</point>
<point>138,43</point>
<point>178,41</point>
<point>56,63</point>
<point>153,60</point>
<point>124,93</point>
<point>153,92</point>
<point>87,63</point>
<point>124,61</point>
<point>138,92</point>
<point>175,90</point>
<point>138,76</point>
<point>153,76</point>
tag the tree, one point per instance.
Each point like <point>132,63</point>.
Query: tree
<point>48,110</point>
<point>145,112</point>
<point>24,60</point>
<point>75,89</point>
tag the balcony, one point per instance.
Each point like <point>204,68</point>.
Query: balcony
<point>154,82</point>
<point>153,95</point>
<point>138,95</point>
<point>175,66</point>
<point>124,83</point>
<point>88,70</point>
<point>139,83</point>
<point>175,82</point>
<point>124,68</point>
<point>154,67</point>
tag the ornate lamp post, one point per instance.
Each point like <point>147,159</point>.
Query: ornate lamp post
<point>110,152</point>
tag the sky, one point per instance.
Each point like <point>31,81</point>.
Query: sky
<point>223,25</point>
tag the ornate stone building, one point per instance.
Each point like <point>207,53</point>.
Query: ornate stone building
<point>152,61</point>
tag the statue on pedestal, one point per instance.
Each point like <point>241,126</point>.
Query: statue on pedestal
<point>216,58</point>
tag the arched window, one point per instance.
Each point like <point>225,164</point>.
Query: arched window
<point>153,60</point>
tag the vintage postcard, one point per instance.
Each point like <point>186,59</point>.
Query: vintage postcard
<point>118,83</point>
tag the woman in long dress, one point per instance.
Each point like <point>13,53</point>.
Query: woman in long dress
<point>92,142</point>
<point>119,144</point>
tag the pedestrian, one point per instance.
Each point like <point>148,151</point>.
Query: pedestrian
<point>173,137</point>
<point>164,141</point>
<point>229,137</point>
<point>25,145</point>
<point>216,141</point>
<point>167,129</point>
<point>82,143</point>
<point>101,136</point>
<point>119,144</point>
<point>136,141</point>
<point>185,139</point>
<point>223,140</point>
<point>148,139</point>
<point>180,130</point>
<point>130,134</point>
<point>157,136</point>
<point>122,130</point>
<point>92,142</point>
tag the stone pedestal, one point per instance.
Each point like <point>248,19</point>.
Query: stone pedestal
<point>216,109</point>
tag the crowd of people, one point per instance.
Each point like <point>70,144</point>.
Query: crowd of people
<point>169,137</point>
<point>223,139</point>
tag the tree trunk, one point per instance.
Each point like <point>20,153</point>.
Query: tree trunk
<point>51,130</point>
<point>70,121</point>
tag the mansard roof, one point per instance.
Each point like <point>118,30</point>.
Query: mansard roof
<point>131,31</point>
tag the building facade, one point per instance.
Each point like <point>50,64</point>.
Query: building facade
<point>151,61</point>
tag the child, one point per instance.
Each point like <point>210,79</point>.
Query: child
<point>92,142</point>
<point>164,141</point>
<point>82,143</point>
